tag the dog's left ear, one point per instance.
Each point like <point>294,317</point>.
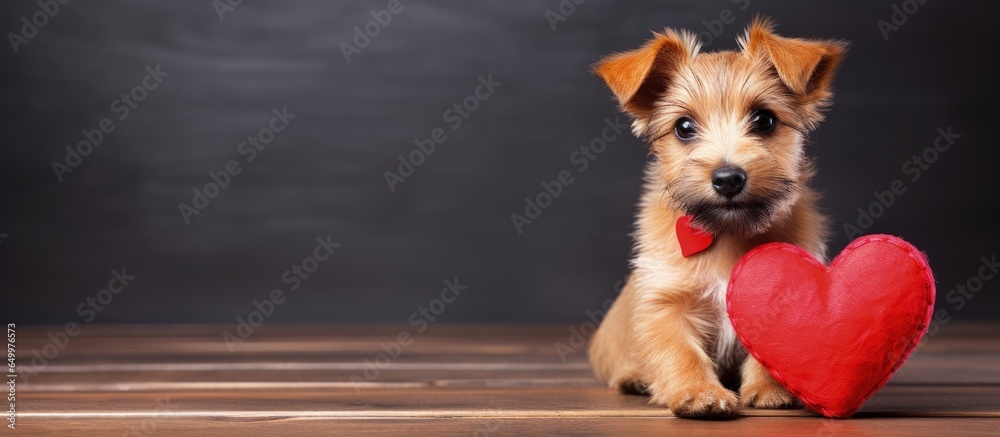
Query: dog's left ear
<point>805,66</point>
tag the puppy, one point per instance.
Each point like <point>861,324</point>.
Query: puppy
<point>727,132</point>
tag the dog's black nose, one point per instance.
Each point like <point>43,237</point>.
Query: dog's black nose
<point>729,181</point>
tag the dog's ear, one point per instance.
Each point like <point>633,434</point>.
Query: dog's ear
<point>805,66</point>
<point>639,77</point>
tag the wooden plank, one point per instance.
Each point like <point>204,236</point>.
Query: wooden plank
<point>193,376</point>
<point>171,380</point>
<point>488,427</point>
<point>950,337</point>
<point>464,401</point>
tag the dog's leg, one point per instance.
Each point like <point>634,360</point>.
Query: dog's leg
<point>609,347</point>
<point>759,390</point>
<point>679,373</point>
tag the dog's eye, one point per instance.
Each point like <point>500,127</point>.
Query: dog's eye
<point>762,121</point>
<point>684,129</point>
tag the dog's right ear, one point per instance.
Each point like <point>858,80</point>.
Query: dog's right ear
<point>639,77</point>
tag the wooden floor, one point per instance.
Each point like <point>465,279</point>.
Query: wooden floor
<point>451,380</point>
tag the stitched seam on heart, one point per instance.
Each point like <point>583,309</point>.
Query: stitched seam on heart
<point>735,320</point>
<point>924,267</point>
<point>910,250</point>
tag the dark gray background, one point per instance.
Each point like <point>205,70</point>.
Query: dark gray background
<point>324,174</point>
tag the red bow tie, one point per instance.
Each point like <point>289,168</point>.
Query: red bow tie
<point>692,239</point>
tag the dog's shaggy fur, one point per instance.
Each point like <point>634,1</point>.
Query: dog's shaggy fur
<point>668,334</point>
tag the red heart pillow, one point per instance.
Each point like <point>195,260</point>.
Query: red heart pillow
<point>832,335</point>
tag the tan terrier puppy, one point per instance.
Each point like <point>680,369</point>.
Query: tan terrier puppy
<point>727,131</point>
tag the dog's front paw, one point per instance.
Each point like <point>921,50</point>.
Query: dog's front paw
<point>702,401</point>
<point>767,395</point>
<point>629,384</point>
